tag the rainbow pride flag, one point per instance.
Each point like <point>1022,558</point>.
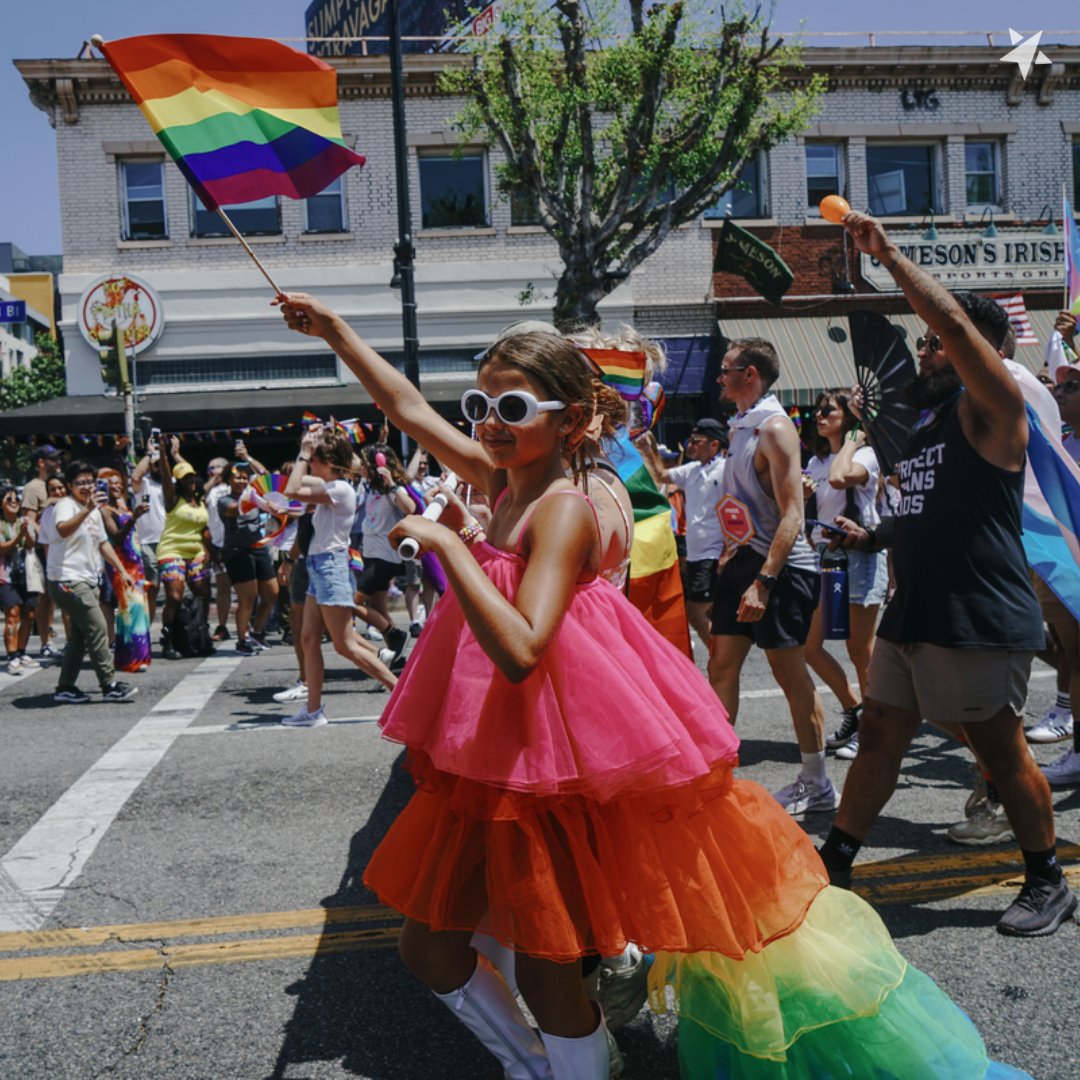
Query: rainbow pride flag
<point>243,118</point>
<point>1072,259</point>
<point>621,369</point>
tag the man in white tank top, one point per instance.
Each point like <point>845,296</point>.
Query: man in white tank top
<point>767,585</point>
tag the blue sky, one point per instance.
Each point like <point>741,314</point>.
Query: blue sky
<point>29,208</point>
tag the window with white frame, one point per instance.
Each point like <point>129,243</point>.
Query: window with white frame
<point>824,172</point>
<point>259,218</point>
<point>903,179</point>
<point>142,200</point>
<point>982,173</point>
<point>325,212</point>
<point>746,199</point>
<point>453,189</point>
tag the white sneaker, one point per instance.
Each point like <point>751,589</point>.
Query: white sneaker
<point>1064,771</point>
<point>850,750</point>
<point>12,667</point>
<point>296,692</point>
<point>387,656</point>
<point>28,663</point>
<point>305,719</point>
<point>623,986</point>
<point>806,796</point>
<point>987,825</point>
<point>372,634</point>
<point>1055,726</point>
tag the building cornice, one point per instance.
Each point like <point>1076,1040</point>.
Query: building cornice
<point>60,87</point>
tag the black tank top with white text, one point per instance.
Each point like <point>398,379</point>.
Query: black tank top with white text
<point>961,574</point>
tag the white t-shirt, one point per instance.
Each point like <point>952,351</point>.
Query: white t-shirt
<point>217,529</point>
<point>332,522</point>
<point>78,557</point>
<point>149,527</point>
<point>380,516</point>
<point>703,487</point>
<point>831,501</point>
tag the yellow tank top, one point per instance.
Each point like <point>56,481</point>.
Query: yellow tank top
<point>182,536</point>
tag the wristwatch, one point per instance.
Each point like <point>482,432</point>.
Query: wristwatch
<point>767,580</point>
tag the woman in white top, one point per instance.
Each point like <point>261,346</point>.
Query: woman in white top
<point>844,475</point>
<point>320,478</point>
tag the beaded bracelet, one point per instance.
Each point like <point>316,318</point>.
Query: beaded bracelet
<point>470,532</point>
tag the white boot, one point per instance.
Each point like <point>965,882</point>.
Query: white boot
<point>488,1009</point>
<point>501,957</point>
<point>579,1059</point>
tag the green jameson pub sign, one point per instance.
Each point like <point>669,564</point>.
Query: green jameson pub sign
<point>740,252</point>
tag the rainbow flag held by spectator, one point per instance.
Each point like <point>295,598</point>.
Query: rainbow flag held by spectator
<point>243,118</point>
<point>620,369</point>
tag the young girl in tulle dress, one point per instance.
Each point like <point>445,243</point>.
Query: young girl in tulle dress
<point>575,786</point>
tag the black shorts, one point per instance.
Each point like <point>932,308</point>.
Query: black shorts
<point>790,607</point>
<point>12,597</point>
<point>377,576</point>
<point>248,564</point>
<point>699,579</point>
<point>298,582</point>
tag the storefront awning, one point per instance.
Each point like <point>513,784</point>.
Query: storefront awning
<point>815,350</point>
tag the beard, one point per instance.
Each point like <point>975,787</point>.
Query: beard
<point>931,390</point>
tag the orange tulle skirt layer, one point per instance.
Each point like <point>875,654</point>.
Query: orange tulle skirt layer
<point>712,865</point>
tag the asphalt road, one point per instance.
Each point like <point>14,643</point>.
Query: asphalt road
<point>180,896</point>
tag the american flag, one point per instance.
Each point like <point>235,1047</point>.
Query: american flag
<point>1013,303</point>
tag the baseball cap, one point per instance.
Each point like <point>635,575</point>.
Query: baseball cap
<point>710,428</point>
<point>524,326</point>
<point>48,450</point>
<point>182,469</point>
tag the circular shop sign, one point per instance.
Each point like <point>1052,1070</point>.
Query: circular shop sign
<point>130,303</point>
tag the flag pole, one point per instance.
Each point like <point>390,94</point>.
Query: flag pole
<point>1066,226</point>
<point>247,247</point>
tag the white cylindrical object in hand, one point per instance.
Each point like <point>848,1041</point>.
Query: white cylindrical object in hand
<point>410,548</point>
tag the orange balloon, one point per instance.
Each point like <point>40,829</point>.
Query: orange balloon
<point>834,207</point>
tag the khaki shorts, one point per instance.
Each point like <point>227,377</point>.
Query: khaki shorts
<point>957,686</point>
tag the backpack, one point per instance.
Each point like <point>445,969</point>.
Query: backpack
<point>191,633</point>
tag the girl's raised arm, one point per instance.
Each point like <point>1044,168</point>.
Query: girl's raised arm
<point>402,402</point>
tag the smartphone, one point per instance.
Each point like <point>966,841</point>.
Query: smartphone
<point>146,497</point>
<point>825,527</point>
<point>103,487</point>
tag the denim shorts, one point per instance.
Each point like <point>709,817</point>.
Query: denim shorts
<point>868,578</point>
<point>329,579</point>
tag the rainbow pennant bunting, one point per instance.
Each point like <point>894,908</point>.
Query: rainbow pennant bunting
<point>243,118</point>
<point>621,369</point>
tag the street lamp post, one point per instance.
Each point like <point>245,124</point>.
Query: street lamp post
<point>403,249</point>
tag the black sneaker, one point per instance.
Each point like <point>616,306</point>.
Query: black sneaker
<point>221,634</point>
<point>397,640</point>
<point>119,691</point>
<point>398,666</point>
<point>1039,910</point>
<point>245,648</point>
<point>70,695</point>
<point>847,729</point>
<point>258,641</point>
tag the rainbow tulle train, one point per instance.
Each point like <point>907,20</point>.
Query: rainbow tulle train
<point>594,803</point>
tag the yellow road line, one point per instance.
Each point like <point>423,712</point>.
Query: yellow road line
<point>923,864</point>
<point>84,937</point>
<point>968,885</point>
<point>199,955</point>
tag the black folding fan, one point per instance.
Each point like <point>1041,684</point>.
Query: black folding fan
<point>884,369</point>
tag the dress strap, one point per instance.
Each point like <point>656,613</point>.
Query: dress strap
<point>619,506</point>
<point>548,495</point>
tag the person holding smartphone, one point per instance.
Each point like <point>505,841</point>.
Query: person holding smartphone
<point>76,550</point>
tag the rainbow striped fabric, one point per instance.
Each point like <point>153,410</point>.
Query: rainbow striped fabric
<point>1072,260</point>
<point>243,118</point>
<point>621,369</point>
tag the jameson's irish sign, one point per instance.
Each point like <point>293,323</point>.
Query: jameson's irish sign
<point>966,260</point>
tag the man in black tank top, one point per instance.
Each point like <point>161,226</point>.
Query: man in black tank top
<point>956,643</point>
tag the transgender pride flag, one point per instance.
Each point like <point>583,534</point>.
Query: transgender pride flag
<point>1051,496</point>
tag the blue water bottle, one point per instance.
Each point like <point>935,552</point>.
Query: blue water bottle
<point>835,615</point>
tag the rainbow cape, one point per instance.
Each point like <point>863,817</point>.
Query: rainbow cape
<point>243,118</point>
<point>655,583</point>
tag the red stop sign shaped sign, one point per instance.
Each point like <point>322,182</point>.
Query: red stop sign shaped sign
<point>735,520</point>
